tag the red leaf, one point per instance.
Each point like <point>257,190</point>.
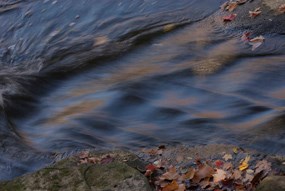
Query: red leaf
<point>229,18</point>
<point>219,163</point>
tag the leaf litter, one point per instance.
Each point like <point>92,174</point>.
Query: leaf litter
<point>235,170</point>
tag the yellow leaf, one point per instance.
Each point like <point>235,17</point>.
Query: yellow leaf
<point>168,27</point>
<point>244,164</point>
<point>235,150</point>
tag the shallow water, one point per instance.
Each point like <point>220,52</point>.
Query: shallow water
<point>105,74</point>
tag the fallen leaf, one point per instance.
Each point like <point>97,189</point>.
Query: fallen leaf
<point>237,175</point>
<point>224,5</point>
<point>93,160</point>
<point>244,164</point>
<point>255,13</point>
<point>219,175</point>
<point>158,163</point>
<point>150,169</point>
<point>168,27</point>
<point>205,183</point>
<point>190,174</point>
<point>231,6</point>
<point>235,150</point>
<point>240,2</point>
<point>281,8</point>
<point>181,187</point>
<point>227,157</point>
<point>248,177</point>
<point>263,165</point>
<point>219,163</point>
<point>173,186</point>
<point>245,36</point>
<point>179,158</point>
<point>256,42</point>
<point>228,166</point>
<point>204,171</point>
<point>171,174</point>
<point>229,18</point>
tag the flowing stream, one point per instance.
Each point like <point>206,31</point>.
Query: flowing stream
<point>128,74</point>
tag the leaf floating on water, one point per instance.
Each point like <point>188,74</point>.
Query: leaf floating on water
<point>240,2</point>
<point>231,6</point>
<point>281,8</point>
<point>229,18</point>
<point>255,13</point>
<point>256,42</point>
<point>245,37</point>
<point>168,27</point>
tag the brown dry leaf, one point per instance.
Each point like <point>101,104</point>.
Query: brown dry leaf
<point>224,5</point>
<point>219,175</point>
<point>255,13</point>
<point>228,166</point>
<point>263,165</point>
<point>204,171</point>
<point>237,175</point>
<point>107,159</point>
<point>227,157</point>
<point>240,2</point>
<point>181,187</point>
<point>281,8</point>
<point>256,42</point>
<point>179,158</point>
<point>190,174</point>
<point>173,186</point>
<point>205,183</point>
<point>244,164</point>
<point>171,174</point>
<point>248,177</point>
<point>232,6</point>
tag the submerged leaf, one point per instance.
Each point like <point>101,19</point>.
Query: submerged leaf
<point>255,13</point>
<point>229,18</point>
<point>256,42</point>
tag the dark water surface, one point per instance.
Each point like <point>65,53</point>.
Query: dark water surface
<point>104,74</point>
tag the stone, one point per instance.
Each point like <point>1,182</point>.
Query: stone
<point>272,183</point>
<point>69,175</point>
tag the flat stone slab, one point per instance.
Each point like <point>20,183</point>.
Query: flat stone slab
<point>69,174</point>
<point>272,183</point>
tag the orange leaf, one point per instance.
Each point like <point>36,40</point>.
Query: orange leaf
<point>203,172</point>
<point>173,186</point>
<point>171,174</point>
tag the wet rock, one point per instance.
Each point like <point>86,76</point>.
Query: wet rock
<point>68,174</point>
<point>272,183</point>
